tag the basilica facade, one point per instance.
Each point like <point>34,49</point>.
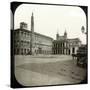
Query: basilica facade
<point>64,45</point>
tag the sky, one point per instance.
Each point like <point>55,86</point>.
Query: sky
<point>50,19</point>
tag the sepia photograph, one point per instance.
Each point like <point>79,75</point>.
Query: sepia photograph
<point>49,44</point>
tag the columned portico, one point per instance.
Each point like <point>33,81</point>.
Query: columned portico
<point>65,46</point>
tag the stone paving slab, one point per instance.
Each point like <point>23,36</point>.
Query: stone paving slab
<point>47,71</point>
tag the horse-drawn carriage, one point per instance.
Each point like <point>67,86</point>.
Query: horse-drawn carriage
<point>81,56</point>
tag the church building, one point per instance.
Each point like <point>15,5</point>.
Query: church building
<point>63,45</point>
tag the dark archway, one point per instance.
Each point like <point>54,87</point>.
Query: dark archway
<point>73,50</point>
<point>69,51</point>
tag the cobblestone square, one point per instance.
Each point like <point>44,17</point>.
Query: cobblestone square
<point>47,70</point>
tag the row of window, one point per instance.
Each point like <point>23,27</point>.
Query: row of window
<point>27,51</point>
<point>59,45</point>
<point>21,51</point>
<point>63,51</point>
<point>74,43</point>
<point>36,37</point>
<point>21,43</point>
<point>56,45</point>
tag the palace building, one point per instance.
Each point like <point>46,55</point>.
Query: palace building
<point>30,42</point>
<point>63,45</point>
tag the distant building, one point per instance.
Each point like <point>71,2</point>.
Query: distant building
<point>63,45</point>
<point>30,42</point>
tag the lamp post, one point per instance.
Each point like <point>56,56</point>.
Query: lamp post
<point>83,30</point>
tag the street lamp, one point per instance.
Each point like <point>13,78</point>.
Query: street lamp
<point>83,30</point>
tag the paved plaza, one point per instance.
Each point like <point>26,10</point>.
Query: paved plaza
<point>47,70</point>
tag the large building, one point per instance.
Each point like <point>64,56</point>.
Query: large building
<point>30,42</point>
<point>63,45</point>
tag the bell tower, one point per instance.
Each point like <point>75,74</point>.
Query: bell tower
<point>65,34</point>
<point>57,35</point>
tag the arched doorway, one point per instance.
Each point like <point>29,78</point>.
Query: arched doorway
<point>69,51</point>
<point>40,50</point>
<point>73,50</point>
